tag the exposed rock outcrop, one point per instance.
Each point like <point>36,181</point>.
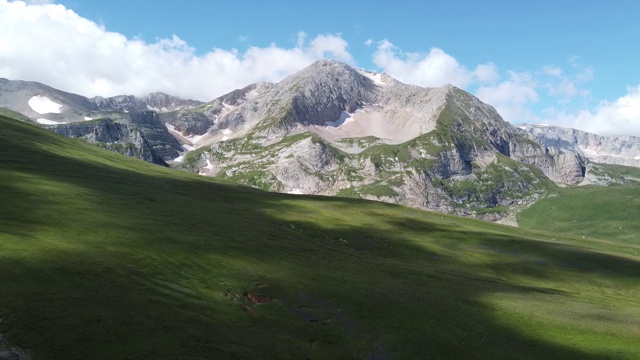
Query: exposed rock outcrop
<point>617,150</point>
<point>121,138</point>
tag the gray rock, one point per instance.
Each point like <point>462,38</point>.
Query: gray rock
<point>117,137</point>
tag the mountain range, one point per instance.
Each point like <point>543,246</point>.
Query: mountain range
<point>331,129</point>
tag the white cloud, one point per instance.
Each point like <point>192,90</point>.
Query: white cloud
<point>52,44</point>
<point>487,73</point>
<point>331,45</point>
<point>566,85</point>
<point>368,42</point>
<point>512,97</point>
<point>435,69</point>
<point>552,71</point>
<point>621,116</point>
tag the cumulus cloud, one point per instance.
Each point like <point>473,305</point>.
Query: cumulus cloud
<point>512,96</point>
<point>487,73</point>
<point>54,45</point>
<point>566,85</point>
<point>434,69</point>
<point>552,71</point>
<point>621,116</point>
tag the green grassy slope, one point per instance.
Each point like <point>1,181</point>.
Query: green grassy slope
<point>13,114</point>
<point>107,257</point>
<point>606,212</point>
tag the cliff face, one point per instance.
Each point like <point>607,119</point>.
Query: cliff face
<point>121,138</point>
<point>616,150</point>
<point>155,132</point>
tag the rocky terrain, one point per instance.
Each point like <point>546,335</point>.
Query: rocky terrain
<point>127,139</point>
<point>616,150</point>
<point>334,130</point>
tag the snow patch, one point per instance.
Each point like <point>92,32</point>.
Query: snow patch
<point>179,158</point>
<point>226,131</point>
<point>88,118</point>
<point>375,77</point>
<point>44,105</point>
<point>209,165</point>
<point>344,118</point>
<point>543,125</point>
<point>48,122</point>
<point>225,138</point>
<point>296,192</point>
<point>193,138</point>
<point>251,95</point>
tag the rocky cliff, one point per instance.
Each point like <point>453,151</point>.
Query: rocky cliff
<point>122,138</point>
<point>616,150</point>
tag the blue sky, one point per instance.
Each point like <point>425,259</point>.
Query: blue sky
<point>572,63</point>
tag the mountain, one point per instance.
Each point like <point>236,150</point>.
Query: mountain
<point>105,257</point>
<point>47,105</point>
<point>334,130</point>
<point>615,150</point>
<point>125,124</point>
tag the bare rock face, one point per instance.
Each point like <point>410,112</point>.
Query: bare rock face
<point>616,150</point>
<point>118,137</point>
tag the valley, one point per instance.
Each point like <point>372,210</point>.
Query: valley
<point>104,256</point>
<point>331,129</point>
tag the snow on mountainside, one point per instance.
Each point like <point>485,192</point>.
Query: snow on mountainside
<point>39,101</point>
<point>123,123</point>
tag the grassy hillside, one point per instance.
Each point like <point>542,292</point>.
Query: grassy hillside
<point>606,212</point>
<point>107,257</point>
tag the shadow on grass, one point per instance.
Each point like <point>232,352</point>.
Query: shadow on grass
<point>160,266</point>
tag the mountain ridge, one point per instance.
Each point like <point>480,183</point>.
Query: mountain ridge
<point>330,129</point>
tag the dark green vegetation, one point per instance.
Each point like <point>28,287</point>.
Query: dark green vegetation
<point>606,212</point>
<point>106,257</point>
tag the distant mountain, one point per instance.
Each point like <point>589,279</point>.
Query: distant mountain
<point>126,124</point>
<point>39,101</point>
<point>615,150</point>
<point>334,130</point>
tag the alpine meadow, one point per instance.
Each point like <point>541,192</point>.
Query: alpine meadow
<point>104,257</point>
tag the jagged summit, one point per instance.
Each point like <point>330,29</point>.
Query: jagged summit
<point>329,98</point>
<point>332,129</point>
